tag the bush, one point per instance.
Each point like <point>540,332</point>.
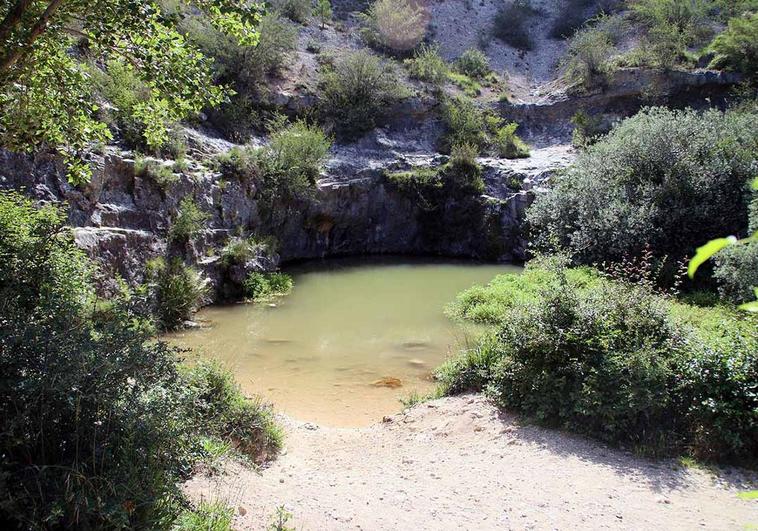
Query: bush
<point>394,25</point>
<point>737,47</point>
<point>264,286</point>
<point>160,173</point>
<point>428,65</point>
<point>357,91</point>
<point>587,129</point>
<point>508,144</point>
<point>207,517</point>
<point>239,251</point>
<point>178,291</point>
<point>300,149</point>
<point>616,362</point>
<point>664,178</point>
<point>277,41</point>
<point>473,63</point>
<point>189,221</point>
<point>221,410</point>
<point>510,24</point>
<point>587,60</point>
<point>465,123</point>
<point>96,432</point>
<point>736,271</point>
<point>323,11</point>
<point>295,10</point>
<point>672,26</point>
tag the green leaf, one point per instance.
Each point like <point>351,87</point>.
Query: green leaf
<point>755,184</point>
<point>706,251</point>
<point>748,495</point>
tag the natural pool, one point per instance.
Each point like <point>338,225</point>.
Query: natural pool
<point>319,353</point>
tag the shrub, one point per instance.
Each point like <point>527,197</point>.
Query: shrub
<point>587,59</point>
<point>221,410</point>
<point>264,286</point>
<point>510,23</point>
<point>672,26</point>
<point>323,11</point>
<point>207,517</point>
<point>736,48</point>
<point>98,431</point>
<point>178,291</point>
<point>277,41</point>
<point>189,221</point>
<point>468,124</point>
<point>664,178</point>
<point>160,173</point>
<point>463,169</point>
<point>616,362</point>
<point>587,129</point>
<point>473,63</point>
<point>295,10</point>
<point>356,92</point>
<point>239,163</point>
<point>428,65</point>
<point>394,25</point>
<point>736,271</point>
<point>300,149</point>
<point>238,251</point>
<point>470,87</point>
<point>465,123</point>
<point>508,144</point>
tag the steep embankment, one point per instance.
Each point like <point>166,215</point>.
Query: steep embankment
<point>459,463</point>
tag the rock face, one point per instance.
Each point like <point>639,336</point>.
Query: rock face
<point>122,219</point>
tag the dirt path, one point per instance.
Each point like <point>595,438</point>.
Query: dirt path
<point>458,463</point>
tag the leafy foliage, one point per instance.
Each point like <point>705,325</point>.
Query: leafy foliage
<point>189,221</point>
<point>323,11</point>
<point>468,124</point>
<point>736,48</point>
<point>355,93</point>
<point>672,26</point>
<point>295,10</point>
<point>264,286</point>
<point>667,178</point>
<point>587,59</point>
<point>178,291</point>
<point>428,65</point>
<point>44,91</point>
<point>473,63</point>
<point>207,517</point>
<point>97,423</point>
<point>614,361</point>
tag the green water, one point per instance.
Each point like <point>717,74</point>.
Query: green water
<point>319,352</point>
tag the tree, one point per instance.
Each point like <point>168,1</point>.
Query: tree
<point>323,11</point>
<point>45,96</point>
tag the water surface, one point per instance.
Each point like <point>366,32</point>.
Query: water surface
<point>320,352</point>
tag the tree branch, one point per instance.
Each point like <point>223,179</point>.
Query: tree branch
<point>13,17</point>
<point>13,56</point>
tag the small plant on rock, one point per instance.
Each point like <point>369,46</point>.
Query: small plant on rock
<point>178,291</point>
<point>428,65</point>
<point>473,63</point>
<point>188,222</point>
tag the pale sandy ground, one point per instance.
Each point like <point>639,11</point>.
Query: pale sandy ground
<point>458,463</point>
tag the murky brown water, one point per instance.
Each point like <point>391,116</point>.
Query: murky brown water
<point>347,324</point>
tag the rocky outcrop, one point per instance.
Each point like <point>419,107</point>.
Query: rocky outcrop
<point>122,219</point>
<point>629,89</point>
